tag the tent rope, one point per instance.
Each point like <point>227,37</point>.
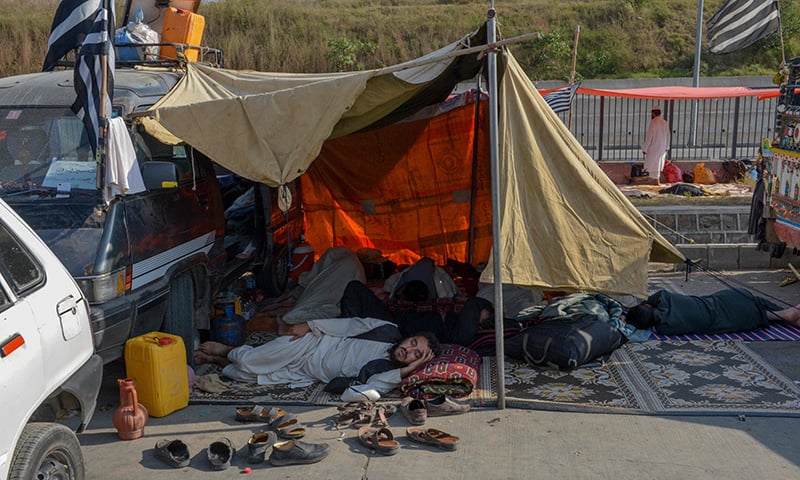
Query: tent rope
<point>670,229</point>
<point>734,283</point>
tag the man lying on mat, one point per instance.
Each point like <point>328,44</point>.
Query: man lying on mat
<point>726,311</point>
<point>370,349</point>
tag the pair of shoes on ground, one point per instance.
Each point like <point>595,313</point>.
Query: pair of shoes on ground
<point>417,411</point>
<point>288,452</point>
<point>286,425</point>
<point>221,452</point>
<point>175,453</point>
<point>382,439</point>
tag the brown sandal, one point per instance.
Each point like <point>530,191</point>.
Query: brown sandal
<point>381,440</point>
<point>432,436</point>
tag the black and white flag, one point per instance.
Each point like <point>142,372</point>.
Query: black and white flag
<point>740,23</point>
<point>72,21</point>
<point>96,52</point>
<point>560,99</point>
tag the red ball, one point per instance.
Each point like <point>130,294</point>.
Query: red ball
<point>247,470</point>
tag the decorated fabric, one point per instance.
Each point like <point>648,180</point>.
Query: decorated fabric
<point>454,372</point>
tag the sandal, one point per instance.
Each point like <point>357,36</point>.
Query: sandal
<point>381,440</point>
<point>432,436</point>
<point>254,413</point>
<point>365,413</point>
<point>285,424</point>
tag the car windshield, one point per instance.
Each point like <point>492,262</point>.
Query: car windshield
<point>44,152</point>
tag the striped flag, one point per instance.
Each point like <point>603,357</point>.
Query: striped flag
<point>71,24</point>
<point>89,73</point>
<point>740,23</point>
<point>560,99</point>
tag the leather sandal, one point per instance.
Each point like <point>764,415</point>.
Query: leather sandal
<point>365,413</point>
<point>381,440</point>
<point>286,425</point>
<point>254,413</point>
<point>432,436</point>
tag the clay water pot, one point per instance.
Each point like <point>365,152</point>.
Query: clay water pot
<point>131,416</point>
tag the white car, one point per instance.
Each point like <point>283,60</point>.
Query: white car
<point>48,365</point>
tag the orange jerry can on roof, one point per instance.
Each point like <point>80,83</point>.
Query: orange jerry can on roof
<point>182,26</point>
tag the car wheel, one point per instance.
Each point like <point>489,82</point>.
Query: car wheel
<point>47,450</point>
<point>179,319</point>
<point>274,277</point>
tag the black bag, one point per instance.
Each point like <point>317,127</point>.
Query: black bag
<point>567,342</point>
<point>637,170</point>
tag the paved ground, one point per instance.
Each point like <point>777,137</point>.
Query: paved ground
<point>498,444</point>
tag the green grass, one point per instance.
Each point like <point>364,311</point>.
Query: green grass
<point>618,38</point>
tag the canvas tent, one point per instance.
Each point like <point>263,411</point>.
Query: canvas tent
<point>421,187</point>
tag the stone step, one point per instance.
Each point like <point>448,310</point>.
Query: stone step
<point>716,236</point>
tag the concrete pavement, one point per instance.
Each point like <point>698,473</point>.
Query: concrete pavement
<point>498,444</point>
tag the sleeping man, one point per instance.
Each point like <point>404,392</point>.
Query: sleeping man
<point>725,311</point>
<point>369,349</point>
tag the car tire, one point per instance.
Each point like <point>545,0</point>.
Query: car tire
<point>274,277</point>
<point>47,450</point>
<point>179,319</point>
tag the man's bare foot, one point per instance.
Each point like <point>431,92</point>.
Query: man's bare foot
<point>214,348</point>
<point>201,357</point>
<point>283,327</point>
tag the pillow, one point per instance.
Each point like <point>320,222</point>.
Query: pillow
<point>454,372</point>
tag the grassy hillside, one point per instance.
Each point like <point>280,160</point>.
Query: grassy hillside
<point>618,38</point>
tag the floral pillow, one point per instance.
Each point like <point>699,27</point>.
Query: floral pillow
<point>454,372</point>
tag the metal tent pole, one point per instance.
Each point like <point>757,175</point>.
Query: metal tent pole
<point>497,257</point>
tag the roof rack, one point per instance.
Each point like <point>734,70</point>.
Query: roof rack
<point>208,55</point>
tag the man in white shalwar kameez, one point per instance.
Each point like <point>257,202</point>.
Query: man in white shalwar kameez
<point>321,350</point>
<point>656,144</point>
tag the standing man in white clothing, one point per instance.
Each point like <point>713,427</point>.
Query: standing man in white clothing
<point>656,144</point>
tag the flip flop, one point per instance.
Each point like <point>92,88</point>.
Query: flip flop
<point>381,440</point>
<point>432,436</point>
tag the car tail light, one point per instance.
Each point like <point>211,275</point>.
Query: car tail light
<point>102,288</point>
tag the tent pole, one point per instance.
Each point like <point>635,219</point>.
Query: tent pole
<point>497,257</point>
<point>473,178</point>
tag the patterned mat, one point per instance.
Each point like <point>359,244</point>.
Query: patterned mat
<point>774,332</point>
<point>672,377</point>
<point>661,377</point>
<point>240,393</point>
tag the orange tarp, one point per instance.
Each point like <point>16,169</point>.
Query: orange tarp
<point>677,92</point>
<point>404,189</point>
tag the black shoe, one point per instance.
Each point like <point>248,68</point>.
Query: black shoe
<point>174,453</point>
<point>295,452</point>
<point>220,453</point>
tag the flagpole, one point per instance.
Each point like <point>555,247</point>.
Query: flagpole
<point>696,72</point>
<point>780,35</point>
<point>102,121</point>
<point>572,73</point>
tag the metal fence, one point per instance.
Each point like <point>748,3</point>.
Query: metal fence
<point>613,129</point>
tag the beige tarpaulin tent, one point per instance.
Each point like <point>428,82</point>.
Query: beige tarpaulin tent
<point>563,223</point>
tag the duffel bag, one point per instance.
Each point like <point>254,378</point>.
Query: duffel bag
<point>568,342</point>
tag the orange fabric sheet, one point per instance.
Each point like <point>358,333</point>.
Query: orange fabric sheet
<point>404,190</point>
